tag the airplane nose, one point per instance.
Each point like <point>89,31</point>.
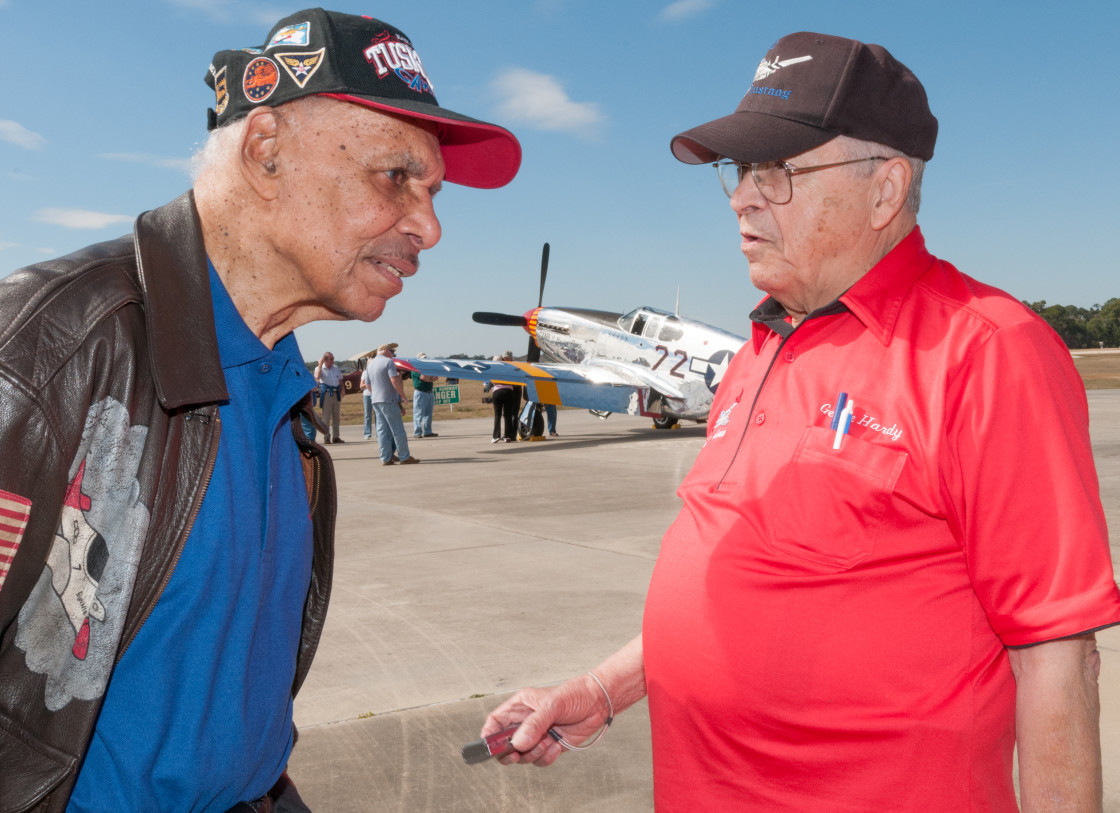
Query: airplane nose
<point>531,321</point>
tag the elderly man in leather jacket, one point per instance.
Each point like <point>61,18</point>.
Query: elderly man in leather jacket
<point>165,526</point>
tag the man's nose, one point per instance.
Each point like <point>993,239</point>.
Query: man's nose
<point>422,224</point>
<point>746,195</point>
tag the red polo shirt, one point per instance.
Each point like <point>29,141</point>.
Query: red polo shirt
<point>826,627</point>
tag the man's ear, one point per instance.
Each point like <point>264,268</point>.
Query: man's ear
<point>892,185</point>
<point>260,150</point>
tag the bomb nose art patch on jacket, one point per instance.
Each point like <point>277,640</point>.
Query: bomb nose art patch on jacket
<point>71,624</point>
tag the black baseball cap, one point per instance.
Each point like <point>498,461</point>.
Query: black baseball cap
<point>809,89</point>
<point>362,60</point>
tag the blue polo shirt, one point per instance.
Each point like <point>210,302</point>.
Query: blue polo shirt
<point>198,713</point>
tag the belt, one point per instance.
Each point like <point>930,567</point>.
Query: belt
<point>328,390</point>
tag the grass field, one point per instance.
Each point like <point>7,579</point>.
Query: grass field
<point>1099,371</point>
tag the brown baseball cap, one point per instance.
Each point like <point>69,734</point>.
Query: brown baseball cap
<point>362,60</point>
<point>809,89</point>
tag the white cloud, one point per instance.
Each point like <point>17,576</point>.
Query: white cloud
<point>539,101</point>
<point>4,245</point>
<point>16,133</point>
<point>681,9</point>
<point>181,164</point>
<point>79,218</point>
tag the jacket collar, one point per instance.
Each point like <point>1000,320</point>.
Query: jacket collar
<point>171,260</point>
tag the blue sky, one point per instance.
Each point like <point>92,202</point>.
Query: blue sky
<point>104,103</point>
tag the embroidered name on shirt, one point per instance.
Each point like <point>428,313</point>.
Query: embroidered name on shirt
<point>869,422</point>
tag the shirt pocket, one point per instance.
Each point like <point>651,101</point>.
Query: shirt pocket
<point>828,505</point>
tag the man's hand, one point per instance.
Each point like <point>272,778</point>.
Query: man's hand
<point>575,708</point>
<point>1057,725</point>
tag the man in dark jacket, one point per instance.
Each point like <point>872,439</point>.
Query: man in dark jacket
<point>165,526</point>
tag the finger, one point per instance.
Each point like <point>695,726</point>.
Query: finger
<point>512,712</point>
<point>493,725</point>
<point>533,731</point>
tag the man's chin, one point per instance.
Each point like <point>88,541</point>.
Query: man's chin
<point>367,311</point>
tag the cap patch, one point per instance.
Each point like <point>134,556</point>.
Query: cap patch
<point>389,53</point>
<point>221,90</point>
<point>261,78</point>
<point>296,35</point>
<point>302,67</point>
<point>767,67</point>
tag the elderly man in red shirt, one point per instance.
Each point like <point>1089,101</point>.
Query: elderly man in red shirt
<point>891,556</point>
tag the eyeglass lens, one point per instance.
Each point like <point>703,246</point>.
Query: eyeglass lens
<point>770,177</point>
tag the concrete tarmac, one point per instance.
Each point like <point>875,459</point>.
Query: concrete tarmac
<point>489,567</point>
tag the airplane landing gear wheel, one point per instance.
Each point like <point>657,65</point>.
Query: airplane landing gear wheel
<point>664,422</point>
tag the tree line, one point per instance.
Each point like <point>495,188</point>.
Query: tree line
<point>1082,327</point>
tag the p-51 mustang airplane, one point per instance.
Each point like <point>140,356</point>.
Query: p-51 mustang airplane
<point>646,362</point>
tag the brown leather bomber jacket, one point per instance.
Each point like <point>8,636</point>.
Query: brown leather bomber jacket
<point>109,384</point>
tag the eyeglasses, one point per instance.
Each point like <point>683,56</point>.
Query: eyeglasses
<point>774,179</point>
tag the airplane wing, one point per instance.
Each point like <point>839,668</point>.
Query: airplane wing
<point>621,373</point>
<point>600,385</point>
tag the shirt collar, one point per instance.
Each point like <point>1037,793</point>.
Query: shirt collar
<point>875,299</point>
<point>237,344</point>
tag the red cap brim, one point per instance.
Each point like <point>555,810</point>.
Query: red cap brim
<point>475,153</point>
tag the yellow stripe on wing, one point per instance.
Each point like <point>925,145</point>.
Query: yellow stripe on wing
<point>547,392</point>
<point>535,372</point>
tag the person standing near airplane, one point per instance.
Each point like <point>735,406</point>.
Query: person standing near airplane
<point>386,395</point>
<point>367,405</point>
<point>423,403</point>
<point>166,538</point>
<point>329,378</point>
<point>866,601</point>
<point>505,398</point>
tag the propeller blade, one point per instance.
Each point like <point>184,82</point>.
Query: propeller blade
<point>500,319</point>
<point>533,354</point>
<point>544,273</point>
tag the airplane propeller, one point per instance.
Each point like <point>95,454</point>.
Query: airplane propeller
<point>533,355</point>
<point>500,319</point>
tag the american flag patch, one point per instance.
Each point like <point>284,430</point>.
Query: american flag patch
<point>14,512</point>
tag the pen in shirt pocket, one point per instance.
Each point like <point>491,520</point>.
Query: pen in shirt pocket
<point>841,401</point>
<point>842,420</point>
